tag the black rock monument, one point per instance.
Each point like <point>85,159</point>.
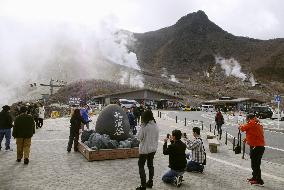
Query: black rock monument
<point>114,122</point>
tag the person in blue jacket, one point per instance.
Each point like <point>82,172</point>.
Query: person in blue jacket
<point>85,116</point>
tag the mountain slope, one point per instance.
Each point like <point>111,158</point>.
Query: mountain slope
<point>190,46</point>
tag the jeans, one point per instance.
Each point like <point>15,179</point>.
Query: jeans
<point>87,126</point>
<point>40,122</point>
<point>194,166</point>
<point>219,129</point>
<point>255,156</point>
<point>74,136</point>
<point>23,147</point>
<point>170,176</point>
<point>141,163</point>
<point>7,134</point>
<point>134,130</point>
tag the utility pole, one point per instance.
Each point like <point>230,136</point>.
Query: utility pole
<point>51,85</point>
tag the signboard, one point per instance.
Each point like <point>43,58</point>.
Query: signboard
<point>74,101</point>
<point>277,98</point>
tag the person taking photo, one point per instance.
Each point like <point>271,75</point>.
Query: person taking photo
<point>198,156</point>
<point>177,158</point>
<point>255,139</point>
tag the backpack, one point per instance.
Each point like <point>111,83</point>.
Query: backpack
<point>238,148</point>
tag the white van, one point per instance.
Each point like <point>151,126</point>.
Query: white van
<point>128,103</point>
<point>207,108</point>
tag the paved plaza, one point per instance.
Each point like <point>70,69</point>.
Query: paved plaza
<point>51,167</point>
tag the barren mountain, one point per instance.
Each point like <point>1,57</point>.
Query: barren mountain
<point>184,57</point>
<point>190,46</point>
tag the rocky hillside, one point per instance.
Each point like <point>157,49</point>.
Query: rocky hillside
<point>184,57</point>
<point>190,47</point>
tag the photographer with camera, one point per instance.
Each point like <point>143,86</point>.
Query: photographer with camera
<point>255,139</point>
<point>177,158</point>
<point>198,158</point>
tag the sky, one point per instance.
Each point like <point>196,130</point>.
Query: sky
<point>75,39</point>
<point>262,19</point>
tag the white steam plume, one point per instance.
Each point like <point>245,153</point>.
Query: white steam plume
<point>35,52</point>
<point>173,79</point>
<point>164,73</point>
<point>252,80</point>
<point>231,67</point>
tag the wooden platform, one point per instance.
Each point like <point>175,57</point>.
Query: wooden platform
<point>107,154</point>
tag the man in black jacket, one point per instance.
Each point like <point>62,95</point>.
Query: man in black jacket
<point>177,158</point>
<point>24,128</point>
<point>6,123</point>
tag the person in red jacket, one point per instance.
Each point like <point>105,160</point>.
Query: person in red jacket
<point>255,139</point>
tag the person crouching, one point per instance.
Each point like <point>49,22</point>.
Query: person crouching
<point>198,152</point>
<point>177,158</point>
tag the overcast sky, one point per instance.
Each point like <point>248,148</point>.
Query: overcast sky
<point>253,18</point>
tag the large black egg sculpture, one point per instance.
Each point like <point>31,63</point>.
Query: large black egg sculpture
<point>114,122</point>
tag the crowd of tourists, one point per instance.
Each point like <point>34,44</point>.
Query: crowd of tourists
<point>28,118</point>
<point>20,124</point>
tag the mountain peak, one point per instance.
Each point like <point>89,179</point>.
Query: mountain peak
<point>197,22</point>
<point>193,17</point>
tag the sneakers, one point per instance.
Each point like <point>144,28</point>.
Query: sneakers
<point>26,161</point>
<point>257,183</point>
<point>18,160</point>
<point>149,184</point>
<point>140,188</point>
<point>178,181</point>
<point>7,148</point>
<point>250,179</point>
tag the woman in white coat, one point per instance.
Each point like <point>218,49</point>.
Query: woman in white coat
<point>41,112</point>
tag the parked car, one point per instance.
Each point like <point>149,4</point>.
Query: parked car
<point>128,103</point>
<point>275,115</point>
<point>207,108</point>
<point>261,112</point>
<point>195,109</point>
<point>186,108</point>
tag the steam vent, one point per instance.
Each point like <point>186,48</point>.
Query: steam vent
<point>113,121</point>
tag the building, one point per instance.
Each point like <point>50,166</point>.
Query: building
<point>147,97</point>
<point>229,103</point>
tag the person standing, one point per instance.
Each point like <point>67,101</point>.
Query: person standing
<point>148,137</point>
<point>255,139</point>
<point>136,112</point>
<point>132,121</point>
<point>76,121</point>
<point>219,119</point>
<point>198,152</point>
<point>177,158</point>
<point>85,116</point>
<point>41,112</point>
<point>6,123</point>
<point>35,114</point>
<point>24,128</point>
<point>141,110</point>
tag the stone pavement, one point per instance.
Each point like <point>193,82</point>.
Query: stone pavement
<point>51,167</point>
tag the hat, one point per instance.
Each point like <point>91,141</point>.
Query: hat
<point>6,108</point>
